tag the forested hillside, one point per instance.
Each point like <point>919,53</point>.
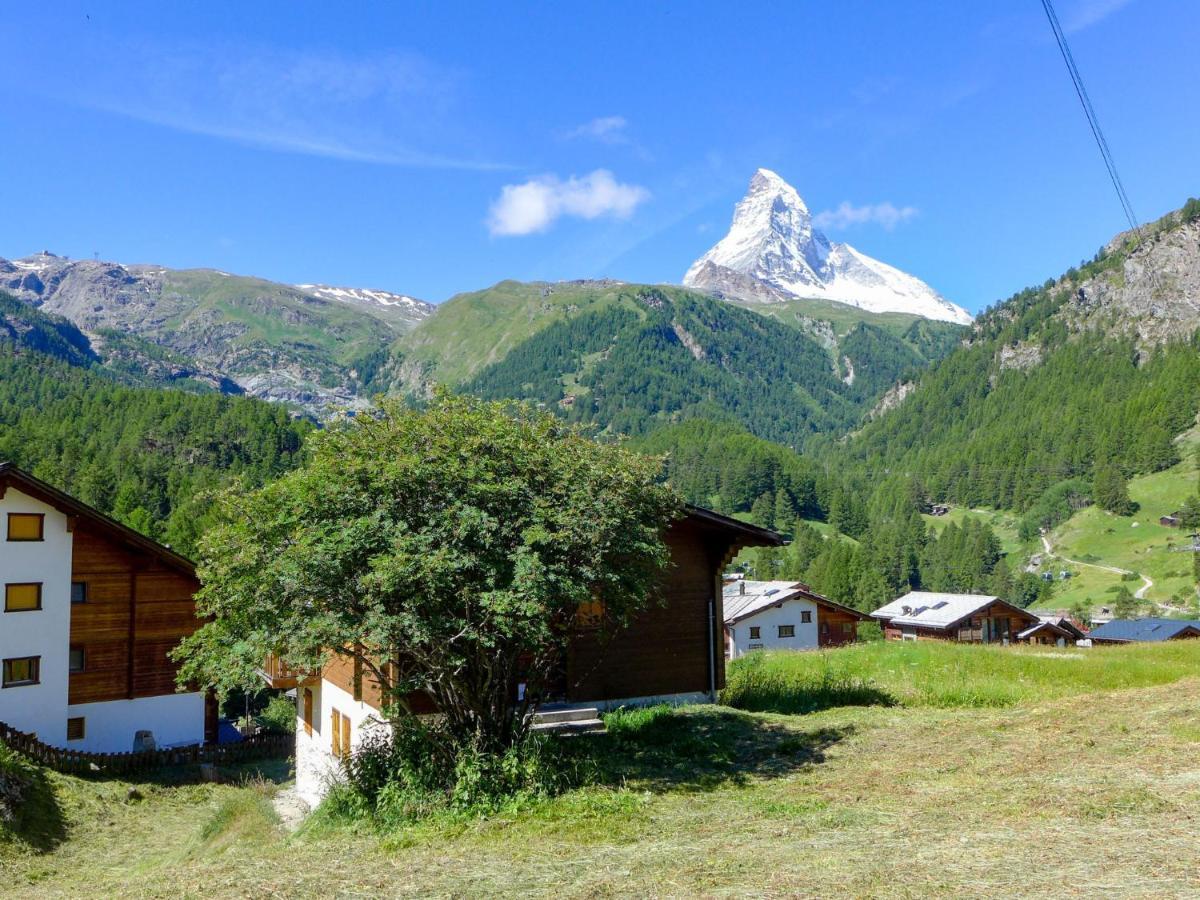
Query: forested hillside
<point>143,455</point>
<point>640,357</point>
<point>1094,372</point>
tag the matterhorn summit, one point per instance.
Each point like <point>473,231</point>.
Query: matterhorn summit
<point>773,253</point>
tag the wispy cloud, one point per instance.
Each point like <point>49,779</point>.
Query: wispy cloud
<point>1089,12</point>
<point>393,109</point>
<point>847,215</point>
<point>536,204</point>
<point>605,129</point>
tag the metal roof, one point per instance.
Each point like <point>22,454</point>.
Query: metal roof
<point>760,595</point>
<point>926,609</point>
<point>1144,629</point>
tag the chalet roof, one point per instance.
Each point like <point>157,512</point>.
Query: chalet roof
<point>65,503</point>
<point>925,609</point>
<point>760,595</point>
<point>1063,622</point>
<point>1044,624</point>
<point>750,534</point>
<point>1151,629</point>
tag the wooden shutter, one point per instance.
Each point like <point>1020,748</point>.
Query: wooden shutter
<point>26,526</point>
<point>308,704</point>
<point>336,741</point>
<point>345,736</point>
<point>22,597</point>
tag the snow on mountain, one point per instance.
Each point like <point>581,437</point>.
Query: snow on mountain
<point>773,253</point>
<point>385,304</point>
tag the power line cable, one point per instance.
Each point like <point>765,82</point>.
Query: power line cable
<point>1090,112</point>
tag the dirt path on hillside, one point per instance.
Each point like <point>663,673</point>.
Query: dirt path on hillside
<point>1140,594</point>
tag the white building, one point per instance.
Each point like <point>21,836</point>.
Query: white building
<point>783,615</point>
<point>90,610</point>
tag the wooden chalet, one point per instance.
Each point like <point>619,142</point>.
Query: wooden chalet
<point>968,618</point>
<point>671,651</point>
<point>92,609</point>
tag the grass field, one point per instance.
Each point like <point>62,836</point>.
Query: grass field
<point>1003,523</point>
<point>1137,543</point>
<point>869,801</point>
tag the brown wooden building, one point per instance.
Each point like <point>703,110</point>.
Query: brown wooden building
<point>969,618</point>
<point>86,661</point>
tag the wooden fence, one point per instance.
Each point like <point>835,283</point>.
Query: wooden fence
<point>81,762</point>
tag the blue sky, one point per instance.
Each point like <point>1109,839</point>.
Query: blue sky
<point>437,148</point>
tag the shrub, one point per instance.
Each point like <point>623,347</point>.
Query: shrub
<point>279,717</point>
<point>416,768</point>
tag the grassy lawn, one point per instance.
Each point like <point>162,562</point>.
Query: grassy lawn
<point>909,800</point>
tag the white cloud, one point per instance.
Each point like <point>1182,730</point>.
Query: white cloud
<point>534,205</point>
<point>606,129</point>
<point>886,214</point>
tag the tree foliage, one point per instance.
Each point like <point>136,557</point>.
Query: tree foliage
<point>447,549</point>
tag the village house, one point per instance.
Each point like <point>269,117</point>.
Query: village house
<point>91,610</point>
<point>669,653</point>
<point>1054,629</point>
<point>1127,631</point>
<point>969,618</point>
<point>783,615</point>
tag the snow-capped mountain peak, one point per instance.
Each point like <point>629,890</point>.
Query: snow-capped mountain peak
<point>772,252</point>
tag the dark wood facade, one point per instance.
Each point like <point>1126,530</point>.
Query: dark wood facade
<point>676,644</point>
<point>836,626</point>
<point>136,610</point>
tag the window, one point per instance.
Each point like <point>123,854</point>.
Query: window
<point>76,729</point>
<point>847,628</point>
<point>26,526</point>
<point>21,671</point>
<point>22,597</point>
<point>786,631</point>
<point>755,632</point>
<point>340,741</point>
<point>806,617</point>
<point>308,709</point>
<point>76,660</point>
<point>79,592</point>
<point>756,646</point>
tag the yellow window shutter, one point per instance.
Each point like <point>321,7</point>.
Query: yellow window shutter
<point>19,597</point>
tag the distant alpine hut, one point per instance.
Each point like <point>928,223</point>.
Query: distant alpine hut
<point>1171,521</point>
<point>967,618</point>
<point>1129,631</point>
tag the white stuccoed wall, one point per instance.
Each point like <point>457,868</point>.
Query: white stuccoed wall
<point>316,767</point>
<point>40,708</point>
<point>175,719</point>
<point>768,620</point>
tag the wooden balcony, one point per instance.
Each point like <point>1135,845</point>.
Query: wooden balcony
<point>278,675</point>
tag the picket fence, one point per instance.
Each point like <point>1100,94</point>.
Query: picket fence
<point>81,762</point>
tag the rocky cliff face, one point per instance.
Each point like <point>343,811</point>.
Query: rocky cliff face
<point>773,251</point>
<point>275,341</point>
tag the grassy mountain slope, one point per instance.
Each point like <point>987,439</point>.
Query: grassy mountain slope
<point>274,340</point>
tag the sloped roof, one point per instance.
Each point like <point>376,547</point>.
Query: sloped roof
<point>1144,629</point>
<point>926,609</point>
<point>751,535</point>
<point>1044,624</point>
<point>760,595</point>
<point>65,503</point>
